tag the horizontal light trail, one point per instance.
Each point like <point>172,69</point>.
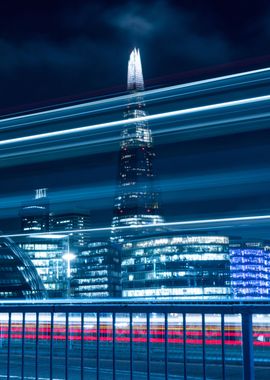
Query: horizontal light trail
<point>147,118</point>
<point>130,96</point>
<point>134,339</point>
<point>98,193</point>
<point>108,144</point>
<point>175,335</point>
<point>165,224</point>
<point>104,142</point>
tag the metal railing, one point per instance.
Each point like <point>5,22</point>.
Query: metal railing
<point>134,340</point>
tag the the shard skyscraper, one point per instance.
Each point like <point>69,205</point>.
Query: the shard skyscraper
<point>136,202</point>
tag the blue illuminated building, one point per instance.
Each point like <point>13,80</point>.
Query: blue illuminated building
<point>178,266</point>
<point>35,213</point>
<point>75,221</point>
<point>96,271</point>
<point>46,254</point>
<point>250,277</point>
<point>136,202</point>
<point>18,276</point>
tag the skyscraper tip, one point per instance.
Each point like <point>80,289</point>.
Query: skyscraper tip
<point>135,76</point>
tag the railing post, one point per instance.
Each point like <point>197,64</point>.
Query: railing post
<point>131,344</point>
<point>113,344</point>
<point>98,348</point>
<point>66,346</point>
<point>8,345</point>
<point>23,347</point>
<point>203,347</point>
<point>51,344</point>
<point>223,345</point>
<point>166,347</point>
<point>248,356</point>
<point>148,344</point>
<point>82,346</point>
<point>185,346</point>
<point>36,345</point>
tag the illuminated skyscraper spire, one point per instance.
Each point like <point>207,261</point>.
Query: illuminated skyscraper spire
<point>136,202</point>
<point>135,75</point>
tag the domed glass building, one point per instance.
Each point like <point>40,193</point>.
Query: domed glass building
<point>18,276</point>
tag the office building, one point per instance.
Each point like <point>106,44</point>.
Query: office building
<point>72,222</point>
<point>176,266</point>
<point>250,270</point>
<point>136,202</point>
<point>96,271</point>
<point>18,276</point>
<point>46,253</point>
<point>35,213</point>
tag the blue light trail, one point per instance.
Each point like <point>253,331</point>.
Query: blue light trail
<point>165,224</point>
<point>148,118</point>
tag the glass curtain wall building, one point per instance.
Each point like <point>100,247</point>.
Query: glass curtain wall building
<point>35,213</point>
<point>97,271</point>
<point>194,267</point>
<point>250,270</point>
<point>18,276</point>
<point>136,202</point>
<point>72,221</point>
<point>46,254</point>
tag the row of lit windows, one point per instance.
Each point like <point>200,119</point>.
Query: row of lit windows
<point>194,257</point>
<point>244,260</point>
<point>96,294</point>
<point>38,246</point>
<point>93,280</point>
<point>180,240</point>
<point>221,291</point>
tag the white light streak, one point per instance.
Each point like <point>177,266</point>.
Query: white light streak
<point>130,96</point>
<point>48,236</point>
<point>147,118</point>
<point>165,224</point>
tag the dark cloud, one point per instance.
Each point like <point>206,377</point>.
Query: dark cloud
<point>71,49</point>
<point>170,33</point>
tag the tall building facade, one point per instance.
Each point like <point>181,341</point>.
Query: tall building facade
<point>45,250</point>
<point>172,265</point>
<point>250,269</point>
<point>97,271</point>
<point>136,202</point>
<point>46,254</point>
<point>72,221</point>
<point>35,213</point>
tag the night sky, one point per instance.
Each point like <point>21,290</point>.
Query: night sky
<point>61,52</point>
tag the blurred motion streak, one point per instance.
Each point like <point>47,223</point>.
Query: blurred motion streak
<point>147,118</point>
<point>252,218</point>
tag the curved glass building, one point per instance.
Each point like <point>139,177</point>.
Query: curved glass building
<point>194,267</point>
<point>18,276</point>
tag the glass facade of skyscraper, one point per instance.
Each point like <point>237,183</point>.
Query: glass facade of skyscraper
<point>136,202</point>
<point>194,267</point>
<point>96,271</point>
<point>46,255</point>
<point>35,213</point>
<point>72,221</point>
<point>250,270</point>
<point>18,276</point>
